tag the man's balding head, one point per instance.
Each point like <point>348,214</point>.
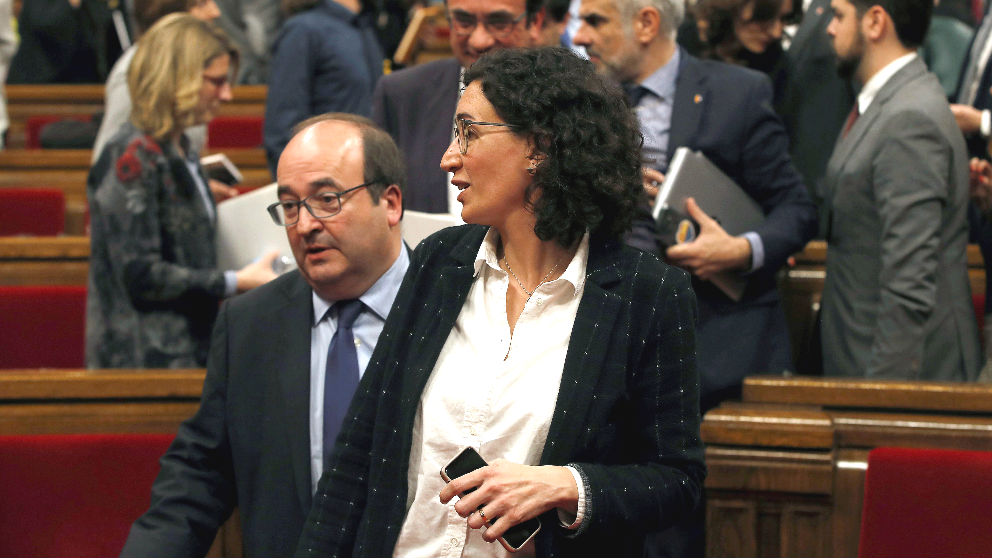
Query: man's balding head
<point>345,253</point>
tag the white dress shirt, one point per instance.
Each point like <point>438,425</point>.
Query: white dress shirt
<point>881,77</point>
<point>502,408</point>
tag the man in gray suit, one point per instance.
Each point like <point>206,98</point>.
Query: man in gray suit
<point>897,302</point>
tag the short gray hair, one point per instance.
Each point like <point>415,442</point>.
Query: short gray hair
<point>672,12</point>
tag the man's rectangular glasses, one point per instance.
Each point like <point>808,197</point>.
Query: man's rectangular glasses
<point>321,205</point>
<point>498,24</point>
<point>462,131</point>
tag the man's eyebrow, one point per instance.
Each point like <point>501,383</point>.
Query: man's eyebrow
<point>324,183</point>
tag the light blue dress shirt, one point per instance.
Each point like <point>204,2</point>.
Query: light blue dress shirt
<point>377,300</point>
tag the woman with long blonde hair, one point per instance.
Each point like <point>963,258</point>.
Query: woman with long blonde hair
<point>153,282</point>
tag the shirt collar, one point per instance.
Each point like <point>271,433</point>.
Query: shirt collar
<point>662,81</point>
<point>881,77</point>
<point>575,273</point>
<point>379,297</point>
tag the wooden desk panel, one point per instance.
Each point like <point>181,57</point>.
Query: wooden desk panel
<point>24,101</point>
<point>68,169</point>
<point>44,260</point>
<point>786,464</point>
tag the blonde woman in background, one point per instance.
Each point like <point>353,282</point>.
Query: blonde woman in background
<point>153,282</point>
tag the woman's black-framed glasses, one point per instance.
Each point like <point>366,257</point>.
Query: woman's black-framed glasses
<point>461,131</point>
<point>321,205</point>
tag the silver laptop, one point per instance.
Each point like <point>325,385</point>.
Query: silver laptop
<point>691,174</point>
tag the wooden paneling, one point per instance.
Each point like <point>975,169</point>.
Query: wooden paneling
<point>786,464</point>
<point>44,260</point>
<point>24,101</point>
<point>67,169</point>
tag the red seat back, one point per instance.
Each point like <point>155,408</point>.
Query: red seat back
<point>42,326</point>
<point>74,495</point>
<point>34,124</point>
<point>926,502</point>
<point>32,211</point>
<point>234,131</point>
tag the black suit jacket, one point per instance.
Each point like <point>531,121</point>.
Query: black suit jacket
<point>627,412</point>
<point>248,444</point>
<point>726,112</point>
<point>417,107</point>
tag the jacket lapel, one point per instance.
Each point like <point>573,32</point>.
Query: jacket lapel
<point>691,97</point>
<point>587,350</point>
<point>291,335</point>
<point>454,280</point>
<point>846,143</point>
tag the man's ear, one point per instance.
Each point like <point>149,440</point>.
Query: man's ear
<point>647,24</point>
<point>392,200</point>
<point>875,22</point>
<point>537,22</point>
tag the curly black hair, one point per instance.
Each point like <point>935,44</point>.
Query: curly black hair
<point>585,134</point>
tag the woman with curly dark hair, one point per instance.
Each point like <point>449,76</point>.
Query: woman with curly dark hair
<point>532,336</point>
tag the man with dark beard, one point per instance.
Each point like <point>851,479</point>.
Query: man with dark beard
<point>896,303</point>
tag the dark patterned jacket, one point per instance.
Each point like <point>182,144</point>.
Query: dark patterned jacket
<point>626,417</point>
<point>153,283</point>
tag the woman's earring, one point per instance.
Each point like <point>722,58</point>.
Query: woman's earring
<point>532,170</point>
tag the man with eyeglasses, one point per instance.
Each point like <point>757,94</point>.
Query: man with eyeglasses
<point>286,359</point>
<point>417,105</point>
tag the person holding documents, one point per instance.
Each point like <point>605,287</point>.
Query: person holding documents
<point>725,112</point>
<point>153,283</point>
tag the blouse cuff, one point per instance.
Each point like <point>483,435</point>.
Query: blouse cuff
<point>230,283</point>
<point>583,508</point>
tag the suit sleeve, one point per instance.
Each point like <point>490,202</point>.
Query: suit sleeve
<point>127,205</point>
<point>911,173</point>
<point>770,178</point>
<point>665,481</point>
<point>194,492</point>
<point>290,92</point>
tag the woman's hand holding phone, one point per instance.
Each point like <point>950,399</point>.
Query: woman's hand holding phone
<point>512,493</point>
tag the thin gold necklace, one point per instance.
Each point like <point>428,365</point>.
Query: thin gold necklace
<point>521,283</point>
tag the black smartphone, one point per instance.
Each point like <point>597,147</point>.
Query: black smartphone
<point>468,460</point>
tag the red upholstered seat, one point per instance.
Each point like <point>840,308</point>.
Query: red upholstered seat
<point>42,326</point>
<point>234,131</point>
<point>926,502</point>
<point>32,211</point>
<point>34,124</point>
<point>74,495</point>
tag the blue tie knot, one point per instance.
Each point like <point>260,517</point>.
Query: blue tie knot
<point>348,311</point>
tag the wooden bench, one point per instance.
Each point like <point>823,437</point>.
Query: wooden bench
<point>44,260</point>
<point>787,464</point>
<point>67,169</point>
<point>24,101</point>
<point>106,401</point>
